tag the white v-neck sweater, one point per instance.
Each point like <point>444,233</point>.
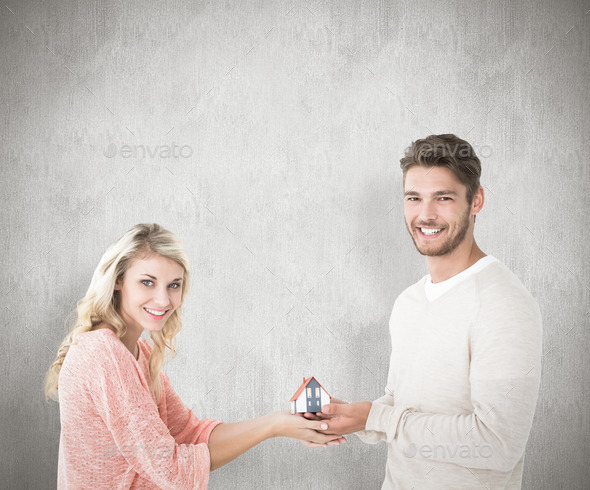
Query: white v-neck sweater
<point>463,385</point>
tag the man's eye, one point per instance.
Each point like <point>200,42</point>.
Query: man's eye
<point>444,198</point>
<point>146,280</point>
<point>412,198</point>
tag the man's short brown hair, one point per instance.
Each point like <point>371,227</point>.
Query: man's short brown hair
<point>446,150</point>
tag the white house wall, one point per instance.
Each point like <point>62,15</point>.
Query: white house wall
<point>301,402</point>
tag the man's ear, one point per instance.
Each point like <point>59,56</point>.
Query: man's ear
<point>478,200</point>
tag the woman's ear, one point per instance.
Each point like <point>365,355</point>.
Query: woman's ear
<point>118,285</point>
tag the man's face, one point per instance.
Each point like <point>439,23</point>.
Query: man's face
<point>436,210</point>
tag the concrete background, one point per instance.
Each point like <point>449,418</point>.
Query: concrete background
<point>267,135</point>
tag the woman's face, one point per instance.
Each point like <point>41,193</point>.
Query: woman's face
<point>150,291</point>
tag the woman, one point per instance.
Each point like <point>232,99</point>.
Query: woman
<point>122,424</point>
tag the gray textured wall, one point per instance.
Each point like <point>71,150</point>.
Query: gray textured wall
<point>267,136</point>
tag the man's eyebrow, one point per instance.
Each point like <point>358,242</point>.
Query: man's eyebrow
<point>152,277</point>
<point>434,194</point>
<point>444,193</point>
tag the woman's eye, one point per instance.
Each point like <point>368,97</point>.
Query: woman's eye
<point>174,285</point>
<point>146,280</point>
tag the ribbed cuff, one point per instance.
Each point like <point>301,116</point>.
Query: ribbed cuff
<point>383,418</point>
<point>370,436</point>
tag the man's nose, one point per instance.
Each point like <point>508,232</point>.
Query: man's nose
<point>428,211</point>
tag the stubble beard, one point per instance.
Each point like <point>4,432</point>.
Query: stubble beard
<point>450,244</point>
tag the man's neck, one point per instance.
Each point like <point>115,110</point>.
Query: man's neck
<point>446,266</point>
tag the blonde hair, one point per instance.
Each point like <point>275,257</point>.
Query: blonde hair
<point>101,302</point>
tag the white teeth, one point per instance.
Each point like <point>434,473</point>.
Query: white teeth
<point>430,231</point>
<point>154,312</point>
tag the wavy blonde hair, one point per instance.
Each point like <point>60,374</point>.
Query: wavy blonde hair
<point>101,302</point>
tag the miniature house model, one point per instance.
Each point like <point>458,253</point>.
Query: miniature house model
<point>309,397</point>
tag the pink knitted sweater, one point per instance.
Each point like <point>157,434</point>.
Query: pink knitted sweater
<point>113,435</point>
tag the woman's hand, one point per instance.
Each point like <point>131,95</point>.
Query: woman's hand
<point>307,431</point>
<point>227,441</point>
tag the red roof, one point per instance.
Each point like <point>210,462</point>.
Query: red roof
<point>302,387</point>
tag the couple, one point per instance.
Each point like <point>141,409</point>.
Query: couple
<point>463,377</point>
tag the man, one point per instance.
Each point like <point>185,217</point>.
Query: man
<point>466,343</point>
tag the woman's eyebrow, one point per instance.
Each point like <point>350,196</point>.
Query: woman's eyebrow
<point>153,277</point>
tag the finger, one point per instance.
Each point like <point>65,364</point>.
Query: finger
<point>322,416</point>
<point>312,444</point>
<point>319,438</point>
<point>336,442</point>
<point>330,431</point>
<point>338,426</point>
<point>338,439</point>
<point>316,425</point>
<point>311,416</point>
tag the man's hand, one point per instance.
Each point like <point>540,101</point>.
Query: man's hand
<point>320,415</point>
<point>343,418</point>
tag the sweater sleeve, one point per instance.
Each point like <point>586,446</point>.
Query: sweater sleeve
<point>375,436</point>
<point>184,426</point>
<point>504,376</point>
<point>130,414</point>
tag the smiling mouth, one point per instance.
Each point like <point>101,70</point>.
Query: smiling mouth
<point>430,231</point>
<point>156,312</point>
